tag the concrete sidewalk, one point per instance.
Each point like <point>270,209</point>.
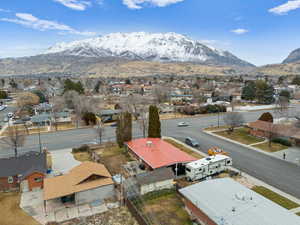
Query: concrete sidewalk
<point>294,153</point>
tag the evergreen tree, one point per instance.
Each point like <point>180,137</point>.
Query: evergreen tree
<point>264,92</point>
<point>286,94</point>
<point>154,128</point>
<point>69,85</point>
<point>249,91</point>
<point>124,128</point>
<point>127,127</point>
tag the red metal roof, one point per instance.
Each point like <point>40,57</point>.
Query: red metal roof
<point>159,154</point>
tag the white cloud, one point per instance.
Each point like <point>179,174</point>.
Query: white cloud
<point>33,22</point>
<point>286,7</point>
<point>79,5</point>
<point>4,10</point>
<point>240,31</point>
<point>138,4</point>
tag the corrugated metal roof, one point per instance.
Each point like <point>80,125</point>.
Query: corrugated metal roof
<point>158,153</point>
<point>227,202</point>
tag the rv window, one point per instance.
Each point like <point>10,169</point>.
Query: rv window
<point>188,169</point>
<point>200,169</point>
<point>228,162</point>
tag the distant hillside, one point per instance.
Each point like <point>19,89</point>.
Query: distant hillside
<point>105,66</point>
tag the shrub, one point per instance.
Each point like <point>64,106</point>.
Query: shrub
<point>83,148</point>
<point>282,141</point>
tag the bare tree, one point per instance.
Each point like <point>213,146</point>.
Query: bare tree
<point>58,104</point>
<point>233,120</point>
<point>271,133</point>
<point>282,106</point>
<point>15,138</point>
<point>143,120</point>
<point>161,94</point>
<point>99,130</point>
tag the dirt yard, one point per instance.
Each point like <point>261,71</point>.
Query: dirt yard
<point>167,207</point>
<point>119,216</point>
<point>113,158</point>
<point>11,213</point>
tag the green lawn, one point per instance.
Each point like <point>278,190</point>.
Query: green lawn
<point>240,135</point>
<point>275,147</point>
<point>278,199</point>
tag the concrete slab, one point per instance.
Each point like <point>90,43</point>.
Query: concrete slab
<point>99,209</point>
<point>61,215</point>
<point>63,161</point>
<point>85,210</point>
<point>73,212</point>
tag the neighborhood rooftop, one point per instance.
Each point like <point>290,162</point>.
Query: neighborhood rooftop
<point>227,202</point>
<point>23,165</point>
<point>158,153</point>
<point>87,175</point>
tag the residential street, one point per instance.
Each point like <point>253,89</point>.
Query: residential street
<point>280,174</point>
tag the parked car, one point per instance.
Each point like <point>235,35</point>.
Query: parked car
<point>183,124</point>
<point>10,115</point>
<point>3,107</point>
<point>191,142</point>
<point>216,151</point>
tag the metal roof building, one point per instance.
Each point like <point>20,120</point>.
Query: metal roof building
<point>157,153</point>
<point>227,202</point>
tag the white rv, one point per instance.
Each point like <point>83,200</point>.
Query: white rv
<point>207,167</point>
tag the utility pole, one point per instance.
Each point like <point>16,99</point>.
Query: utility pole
<point>40,144</point>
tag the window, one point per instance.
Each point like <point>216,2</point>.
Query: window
<point>38,179</point>
<point>187,169</point>
<point>10,180</point>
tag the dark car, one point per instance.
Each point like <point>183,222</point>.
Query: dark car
<point>191,142</point>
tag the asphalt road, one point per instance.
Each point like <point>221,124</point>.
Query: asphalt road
<point>280,174</point>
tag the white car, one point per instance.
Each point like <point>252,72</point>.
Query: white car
<point>183,124</point>
<point>3,107</point>
<point>10,115</point>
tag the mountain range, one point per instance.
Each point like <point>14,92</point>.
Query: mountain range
<point>139,54</point>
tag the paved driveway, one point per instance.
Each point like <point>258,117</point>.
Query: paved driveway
<point>63,161</point>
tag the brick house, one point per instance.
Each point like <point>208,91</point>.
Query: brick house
<point>25,172</point>
<point>225,201</point>
<point>266,130</point>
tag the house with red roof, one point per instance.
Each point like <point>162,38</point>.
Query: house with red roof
<point>156,153</point>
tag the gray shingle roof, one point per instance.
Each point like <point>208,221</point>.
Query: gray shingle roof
<point>227,202</point>
<point>23,165</point>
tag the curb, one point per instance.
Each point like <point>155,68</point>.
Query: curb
<point>247,176</point>
<point>246,146</point>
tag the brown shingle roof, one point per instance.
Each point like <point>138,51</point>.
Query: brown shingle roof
<point>76,180</point>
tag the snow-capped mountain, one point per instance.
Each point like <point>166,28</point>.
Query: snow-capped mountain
<point>293,57</point>
<point>162,47</point>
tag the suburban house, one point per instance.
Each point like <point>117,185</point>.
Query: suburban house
<point>266,129</point>
<point>225,201</point>
<point>43,108</point>
<point>46,119</point>
<point>85,183</point>
<point>109,115</point>
<point>25,172</point>
<point>150,181</point>
<point>156,153</point>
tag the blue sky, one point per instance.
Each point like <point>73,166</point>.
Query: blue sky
<point>259,31</point>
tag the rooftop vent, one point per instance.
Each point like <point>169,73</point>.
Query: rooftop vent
<point>149,144</point>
